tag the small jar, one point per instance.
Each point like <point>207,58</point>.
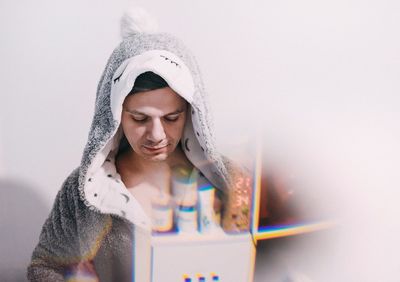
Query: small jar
<point>187,218</point>
<point>162,214</point>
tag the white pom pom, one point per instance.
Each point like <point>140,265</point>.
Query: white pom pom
<point>137,20</point>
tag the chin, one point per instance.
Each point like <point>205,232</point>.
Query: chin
<point>158,158</point>
<point>155,156</point>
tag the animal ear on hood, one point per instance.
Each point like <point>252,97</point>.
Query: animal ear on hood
<point>137,20</point>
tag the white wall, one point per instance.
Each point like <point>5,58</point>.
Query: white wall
<point>319,77</point>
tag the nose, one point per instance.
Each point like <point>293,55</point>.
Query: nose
<point>156,132</point>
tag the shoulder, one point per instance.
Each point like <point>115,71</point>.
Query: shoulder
<point>68,202</point>
<point>70,187</point>
<point>70,217</point>
<point>236,173</point>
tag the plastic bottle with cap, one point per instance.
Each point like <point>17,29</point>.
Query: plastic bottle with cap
<point>162,213</point>
<point>207,218</point>
<point>184,190</point>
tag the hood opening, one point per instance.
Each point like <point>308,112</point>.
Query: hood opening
<point>102,188</point>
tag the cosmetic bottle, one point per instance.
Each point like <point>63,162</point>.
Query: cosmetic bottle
<point>206,195</point>
<point>184,190</point>
<point>162,214</point>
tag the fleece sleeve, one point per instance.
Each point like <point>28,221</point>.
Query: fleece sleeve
<point>58,246</point>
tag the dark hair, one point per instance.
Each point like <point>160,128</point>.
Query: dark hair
<point>148,81</point>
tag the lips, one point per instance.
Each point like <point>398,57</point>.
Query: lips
<point>155,149</point>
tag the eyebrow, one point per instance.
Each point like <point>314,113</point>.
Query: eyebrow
<point>134,112</point>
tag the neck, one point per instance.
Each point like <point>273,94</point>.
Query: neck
<point>135,170</point>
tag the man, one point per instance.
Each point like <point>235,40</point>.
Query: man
<point>151,116</point>
<point>153,119</point>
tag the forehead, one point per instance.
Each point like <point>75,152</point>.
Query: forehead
<point>164,99</point>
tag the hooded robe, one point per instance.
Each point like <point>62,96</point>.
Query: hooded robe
<point>95,223</point>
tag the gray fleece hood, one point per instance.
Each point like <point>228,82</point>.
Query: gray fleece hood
<point>100,186</point>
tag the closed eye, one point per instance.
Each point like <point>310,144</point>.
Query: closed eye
<point>139,118</point>
<point>174,117</point>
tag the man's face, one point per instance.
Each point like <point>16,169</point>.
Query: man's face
<point>153,122</point>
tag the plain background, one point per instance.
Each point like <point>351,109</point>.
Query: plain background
<point>320,79</point>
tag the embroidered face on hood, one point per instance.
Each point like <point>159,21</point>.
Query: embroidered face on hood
<point>139,52</point>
